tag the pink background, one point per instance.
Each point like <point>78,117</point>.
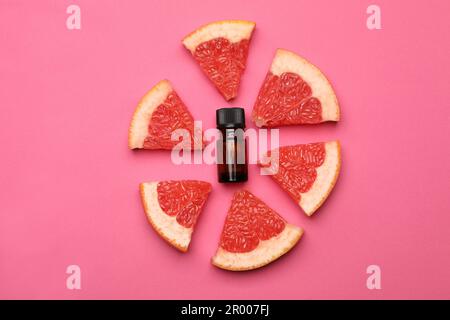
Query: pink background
<point>69,185</point>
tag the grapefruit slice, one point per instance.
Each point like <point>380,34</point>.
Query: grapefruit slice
<point>294,92</point>
<point>253,235</point>
<point>173,207</point>
<point>307,172</point>
<point>159,113</point>
<point>221,48</point>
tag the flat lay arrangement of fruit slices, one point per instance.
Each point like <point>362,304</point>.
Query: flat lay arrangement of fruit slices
<point>294,92</point>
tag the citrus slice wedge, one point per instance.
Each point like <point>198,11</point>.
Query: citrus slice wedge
<point>253,235</point>
<point>159,113</point>
<point>307,172</point>
<point>294,92</point>
<point>221,49</point>
<point>173,207</point>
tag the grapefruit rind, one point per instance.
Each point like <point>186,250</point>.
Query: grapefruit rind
<point>233,30</point>
<point>327,175</point>
<point>166,226</point>
<point>287,61</point>
<point>266,252</point>
<point>141,118</point>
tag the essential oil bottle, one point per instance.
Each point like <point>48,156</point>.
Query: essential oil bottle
<point>232,147</point>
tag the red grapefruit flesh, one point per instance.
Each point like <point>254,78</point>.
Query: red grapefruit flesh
<point>173,207</point>
<point>159,113</point>
<point>221,49</point>
<point>294,92</point>
<point>253,235</point>
<point>307,172</point>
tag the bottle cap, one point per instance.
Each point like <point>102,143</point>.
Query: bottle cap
<point>230,118</point>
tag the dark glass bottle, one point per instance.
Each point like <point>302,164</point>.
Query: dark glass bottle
<point>231,149</point>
